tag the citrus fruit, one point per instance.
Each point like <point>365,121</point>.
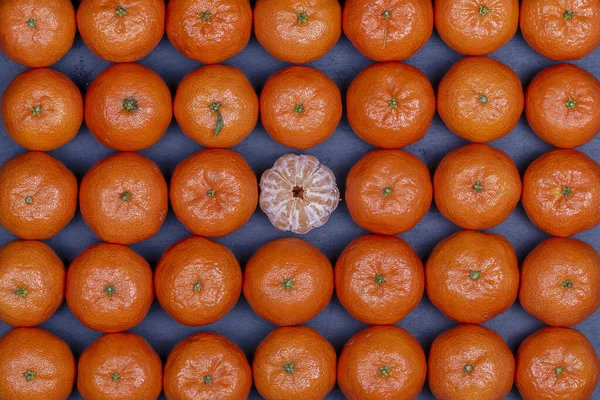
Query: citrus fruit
<point>42,109</point>
<point>213,192</point>
<point>480,99</point>
<point>119,366</point>
<point>557,363</point>
<point>128,107</point>
<point>475,28</point>
<point>382,362</point>
<point>216,106</point>
<point>388,191</point>
<point>390,105</point>
<point>562,105</point>
<point>122,31</point>
<point>124,198</point>
<point>390,30</point>
<point>565,30</point>
<point>209,31</point>
<point>294,362</point>
<point>472,277</point>
<point>34,365</point>
<point>560,281</point>
<point>36,33</point>
<point>300,107</point>
<point>38,195</point>
<point>298,193</point>
<point>207,366</point>
<point>476,186</point>
<point>32,283</point>
<point>561,192</point>
<point>470,362</point>
<point>297,32</point>
<point>288,281</point>
<point>198,281</point>
<point>109,287</point>
<point>379,279</point>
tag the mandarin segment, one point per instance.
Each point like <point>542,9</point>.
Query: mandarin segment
<point>298,193</point>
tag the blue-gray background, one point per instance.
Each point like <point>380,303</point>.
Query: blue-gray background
<point>339,153</point>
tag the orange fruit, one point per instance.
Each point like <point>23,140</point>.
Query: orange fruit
<point>122,31</point>
<point>382,362</point>
<point>209,31</point>
<point>562,105</point>
<point>36,33</point>
<point>379,279</point>
<point>213,192</point>
<point>109,287</point>
<point>390,30</point>
<point>216,106</point>
<point>124,198</point>
<point>32,283</point>
<point>390,105</point>
<point>476,28</point>
<point>298,193</point>
<point>566,30</point>
<point>128,107</point>
<point>294,362</point>
<point>119,366</point>
<point>42,109</point>
<point>300,107</point>
<point>198,281</point>
<point>557,363</point>
<point>561,192</point>
<point>288,281</point>
<point>388,191</point>
<point>472,277</point>
<point>470,362</point>
<point>480,99</point>
<point>35,364</point>
<point>297,32</point>
<point>207,366</point>
<point>476,186</point>
<point>38,195</point>
<point>560,281</point>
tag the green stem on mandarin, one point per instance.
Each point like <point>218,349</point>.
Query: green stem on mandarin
<point>21,292</point>
<point>31,22</point>
<point>121,11</point>
<point>130,104</point>
<point>29,375</point>
<point>385,371</point>
<point>207,379</point>
<point>289,367</point>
